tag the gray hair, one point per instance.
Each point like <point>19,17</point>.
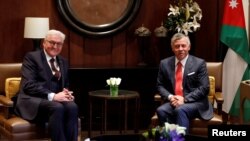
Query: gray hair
<point>178,36</point>
<point>55,32</point>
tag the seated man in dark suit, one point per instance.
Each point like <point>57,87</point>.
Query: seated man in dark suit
<point>44,94</point>
<point>183,84</point>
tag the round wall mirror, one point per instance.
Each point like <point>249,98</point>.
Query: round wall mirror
<point>96,18</point>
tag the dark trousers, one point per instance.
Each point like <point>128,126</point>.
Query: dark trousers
<point>62,119</point>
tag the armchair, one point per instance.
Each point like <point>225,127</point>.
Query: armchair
<point>198,126</point>
<point>12,127</point>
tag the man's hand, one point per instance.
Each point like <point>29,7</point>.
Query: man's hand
<point>69,94</point>
<point>176,100</point>
<point>64,95</point>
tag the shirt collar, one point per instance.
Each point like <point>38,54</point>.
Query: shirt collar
<point>183,61</point>
<point>47,56</point>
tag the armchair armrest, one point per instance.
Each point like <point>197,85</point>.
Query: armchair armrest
<point>158,100</point>
<point>219,100</point>
<point>6,104</point>
<point>6,101</point>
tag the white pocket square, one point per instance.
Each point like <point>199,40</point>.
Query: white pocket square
<point>191,73</point>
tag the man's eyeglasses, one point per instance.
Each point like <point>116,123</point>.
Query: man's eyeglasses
<point>53,43</point>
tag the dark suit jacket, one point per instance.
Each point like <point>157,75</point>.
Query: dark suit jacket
<point>195,83</point>
<point>36,82</point>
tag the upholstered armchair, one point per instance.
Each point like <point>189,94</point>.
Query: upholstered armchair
<point>198,126</point>
<point>12,127</point>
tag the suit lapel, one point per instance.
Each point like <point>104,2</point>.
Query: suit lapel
<point>188,66</point>
<point>172,71</point>
<point>60,63</point>
<point>45,63</point>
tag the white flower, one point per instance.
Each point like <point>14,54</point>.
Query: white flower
<point>181,130</point>
<point>195,24</point>
<point>113,81</point>
<point>167,126</point>
<point>184,16</point>
<point>185,28</point>
<point>173,10</point>
<point>171,127</point>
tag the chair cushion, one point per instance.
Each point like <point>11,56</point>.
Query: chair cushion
<point>17,128</point>
<point>17,125</point>
<point>215,69</point>
<point>211,90</point>
<point>12,86</point>
<point>8,70</point>
<point>200,127</point>
<point>217,119</point>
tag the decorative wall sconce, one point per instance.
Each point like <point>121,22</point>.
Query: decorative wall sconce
<point>161,31</point>
<point>36,28</point>
<point>143,38</point>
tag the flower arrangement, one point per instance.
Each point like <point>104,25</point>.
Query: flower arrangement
<point>169,132</point>
<point>114,83</point>
<point>184,16</point>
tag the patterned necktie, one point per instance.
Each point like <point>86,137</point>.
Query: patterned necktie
<point>178,80</point>
<point>57,73</point>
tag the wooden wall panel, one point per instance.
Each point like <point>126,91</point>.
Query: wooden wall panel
<point>208,31</point>
<point>76,50</point>
<point>119,50</point>
<point>98,52</point>
<point>132,49</point>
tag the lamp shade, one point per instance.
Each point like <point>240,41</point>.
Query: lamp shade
<point>36,28</point>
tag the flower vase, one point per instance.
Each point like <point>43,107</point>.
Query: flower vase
<point>114,90</point>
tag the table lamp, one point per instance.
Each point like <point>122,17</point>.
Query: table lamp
<point>36,28</point>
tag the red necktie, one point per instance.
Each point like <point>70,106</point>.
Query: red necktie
<point>57,73</point>
<point>178,80</point>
